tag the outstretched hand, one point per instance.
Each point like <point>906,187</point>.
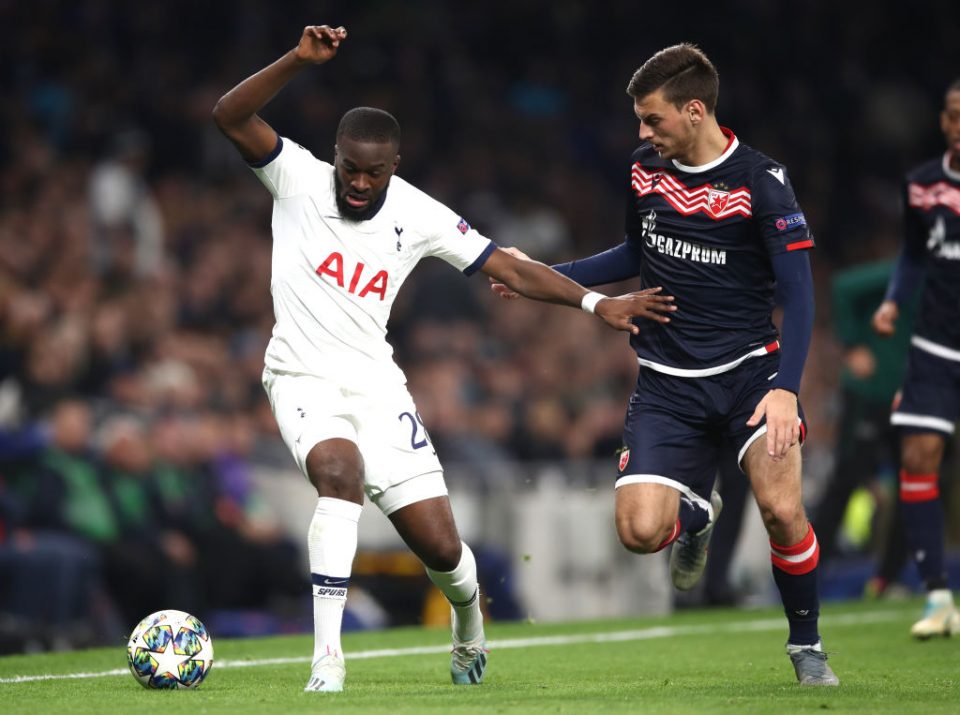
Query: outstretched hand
<point>648,303</point>
<point>319,43</point>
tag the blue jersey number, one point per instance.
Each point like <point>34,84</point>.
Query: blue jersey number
<point>415,425</point>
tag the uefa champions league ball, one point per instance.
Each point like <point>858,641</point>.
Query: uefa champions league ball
<point>170,650</point>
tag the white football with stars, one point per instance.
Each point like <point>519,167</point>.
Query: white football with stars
<point>170,650</point>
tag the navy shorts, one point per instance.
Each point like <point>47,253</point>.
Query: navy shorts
<point>931,394</point>
<point>677,427</point>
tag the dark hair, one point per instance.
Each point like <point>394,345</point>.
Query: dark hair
<point>952,87</point>
<point>683,72</point>
<point>367,124</point>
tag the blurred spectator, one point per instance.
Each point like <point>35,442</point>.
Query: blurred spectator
<point>249,563</point>
<point>535,228</point>
<point>52,592</point>
<point>149,562</point>
<point>127,225</point>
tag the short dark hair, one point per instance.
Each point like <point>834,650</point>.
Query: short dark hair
<point>683,72</point>
<point>952,87</point>
<point>368,124</point>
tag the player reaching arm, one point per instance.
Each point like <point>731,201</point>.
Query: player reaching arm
<point>532,279</point>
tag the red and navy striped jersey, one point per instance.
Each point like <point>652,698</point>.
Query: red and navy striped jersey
<point>932,230</point>
<point>707,234</point>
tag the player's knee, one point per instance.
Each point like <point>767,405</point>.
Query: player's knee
<point>444,556</point>
<point>921,456</point>
<point>641,535</point>
<point>783,518</point>
<point>336,473</point>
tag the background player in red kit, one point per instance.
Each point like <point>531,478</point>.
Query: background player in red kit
<point>931,390</point>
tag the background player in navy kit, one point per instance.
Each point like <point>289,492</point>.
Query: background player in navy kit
<point>332,383</point>
<point>717,224</point>
<point>931,396</point>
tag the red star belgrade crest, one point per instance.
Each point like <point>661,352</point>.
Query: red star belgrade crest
<point>717,200</point>
<point>624,458</point>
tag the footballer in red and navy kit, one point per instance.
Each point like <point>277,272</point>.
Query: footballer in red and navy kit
<point>930,403</point>
<point>716,224</point>
<point>931,252</point>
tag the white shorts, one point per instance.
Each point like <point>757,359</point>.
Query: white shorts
<point>400,465</point>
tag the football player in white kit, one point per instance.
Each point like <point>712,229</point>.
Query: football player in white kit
<point>342,246</point>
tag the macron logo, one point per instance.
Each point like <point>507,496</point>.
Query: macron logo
<point>776,173</point>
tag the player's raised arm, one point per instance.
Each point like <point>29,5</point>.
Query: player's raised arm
<point>540,282</point>
<point>236,112</point>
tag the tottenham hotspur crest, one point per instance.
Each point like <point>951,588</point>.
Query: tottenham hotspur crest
<point>648,224</point>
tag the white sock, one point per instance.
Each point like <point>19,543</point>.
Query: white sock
<point>332,544</point>
<point>462,591</point>
<point>792,648</point>
<point>940,597</point>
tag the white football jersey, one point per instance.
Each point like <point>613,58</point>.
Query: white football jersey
<point>334,280</point>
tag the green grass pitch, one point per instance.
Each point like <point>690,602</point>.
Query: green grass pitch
<point>729,661</point>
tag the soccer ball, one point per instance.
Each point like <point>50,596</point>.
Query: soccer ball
<point>170,650</point>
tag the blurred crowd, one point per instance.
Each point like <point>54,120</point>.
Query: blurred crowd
<point>135,246</point>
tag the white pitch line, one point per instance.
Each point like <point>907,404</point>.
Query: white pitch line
<point>767,624</point>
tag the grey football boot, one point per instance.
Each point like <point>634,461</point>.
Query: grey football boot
<point>689,554</point>
<point>810,664</point>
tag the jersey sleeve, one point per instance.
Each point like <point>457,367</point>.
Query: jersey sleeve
<point>288,170</point>
<point>453,240</point>
<point>915,232</point>
<point>616,264</point>
<point>910,267</point>
<point>776,212</point>
<point>795,282</point>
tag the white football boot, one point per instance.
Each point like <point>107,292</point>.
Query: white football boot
<point>468,661</point>
<point>328,675</point>
<point>940,616</point>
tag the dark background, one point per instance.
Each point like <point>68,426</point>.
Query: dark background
<point>515,97</point>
